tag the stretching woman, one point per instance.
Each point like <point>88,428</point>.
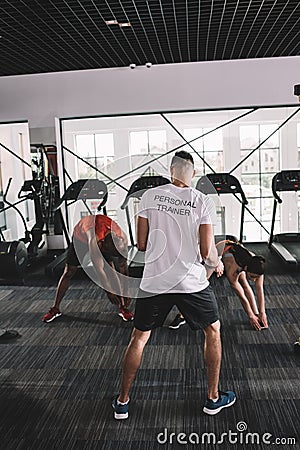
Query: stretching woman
<point>240,266</point>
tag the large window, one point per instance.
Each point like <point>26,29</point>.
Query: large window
<point>148,142</point>
<point>257,173</point>
<point>298,149</point>
<point>2,215</point>
<point>298,143</point>
<point>97,150</point>
<point>145,145</point>
<point>209,147</point>
<point>245,142</point>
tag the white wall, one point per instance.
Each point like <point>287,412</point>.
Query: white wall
<point>218,84</point>
<point>16,138</point>
<point>42,135</point>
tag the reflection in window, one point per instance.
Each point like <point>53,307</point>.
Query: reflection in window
<point>257,173</point>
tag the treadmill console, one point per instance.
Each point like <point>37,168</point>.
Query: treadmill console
<point>84,189</point>
<point>142,184</point>
<point>220,183</point>
<point>286,180</point>
<point>148,182</point>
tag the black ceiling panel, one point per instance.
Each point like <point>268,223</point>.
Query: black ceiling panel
<point>39,36</point>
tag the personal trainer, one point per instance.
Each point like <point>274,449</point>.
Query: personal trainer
<point>176,239</point>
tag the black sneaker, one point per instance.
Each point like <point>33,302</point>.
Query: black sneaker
<point>177,322</point>
<point>225,400</point>
<point>120,411</point>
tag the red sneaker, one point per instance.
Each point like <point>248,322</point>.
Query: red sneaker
<point>52,314</point>
<point>125,314</point>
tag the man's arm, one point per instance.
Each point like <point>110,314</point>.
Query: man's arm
<point>142,233</point>
<point>208,250</point>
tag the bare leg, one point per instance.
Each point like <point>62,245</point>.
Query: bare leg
<point>132,361</point>
<point>64,283</point>
<point>212,357</point>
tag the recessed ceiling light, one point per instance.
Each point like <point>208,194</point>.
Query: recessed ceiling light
<point>125,24</point>
<point>111,22</point>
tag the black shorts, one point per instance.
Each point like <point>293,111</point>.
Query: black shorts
<point>77,247</point>
<point>199,309</point>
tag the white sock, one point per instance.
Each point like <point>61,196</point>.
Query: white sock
<point>215,399</point>
<point>120,403</point>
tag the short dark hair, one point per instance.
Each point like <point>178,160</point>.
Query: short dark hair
<point>243,258</point>
<point>179,156</point>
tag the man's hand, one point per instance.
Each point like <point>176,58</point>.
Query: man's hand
<point>219,269</point>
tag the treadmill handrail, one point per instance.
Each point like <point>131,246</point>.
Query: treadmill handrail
<point>274,183</point>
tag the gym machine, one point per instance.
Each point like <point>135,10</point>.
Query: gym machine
<point>136,258</point>
<point>224,183</point>
<point>13,254</point>
<point>285,245</point>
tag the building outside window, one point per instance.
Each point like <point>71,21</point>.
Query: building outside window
<point>210,148</point>
<point>256,176</point>
<point>147,144</point>
<point>98,150</point>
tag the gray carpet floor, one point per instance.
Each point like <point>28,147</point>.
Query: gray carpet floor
<point>57,379</point>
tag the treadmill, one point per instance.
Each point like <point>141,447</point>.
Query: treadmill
<point>84,189</point>
<point>224,183</point>
<point>285,245</point>
<point>136,258</point>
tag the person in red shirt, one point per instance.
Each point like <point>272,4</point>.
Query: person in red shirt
<point>91,234</point>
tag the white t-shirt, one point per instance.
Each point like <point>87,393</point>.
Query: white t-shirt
<point>172,259</point>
